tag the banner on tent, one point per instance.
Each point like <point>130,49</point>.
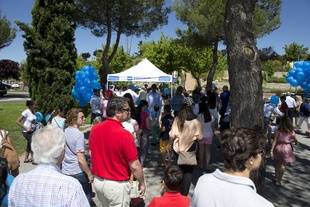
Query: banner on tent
<point>166,79</point>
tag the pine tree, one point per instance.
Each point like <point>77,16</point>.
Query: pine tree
<point>51,53</point>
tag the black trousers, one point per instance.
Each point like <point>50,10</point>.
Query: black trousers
<point>187,178</point>
<point>28,137</point>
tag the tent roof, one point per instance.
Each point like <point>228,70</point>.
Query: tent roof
<point>144,71</point>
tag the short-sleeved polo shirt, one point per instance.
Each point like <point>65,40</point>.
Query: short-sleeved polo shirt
<point>112,149</point>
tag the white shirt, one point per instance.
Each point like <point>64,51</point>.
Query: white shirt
<point>268,110</point>
<point>95,104</point>
<point>290,101</point>
<point>206,126</point>
<point>220,189</point>
<point>132,93</point>
<point>29,117</point>
<point>46,186</point>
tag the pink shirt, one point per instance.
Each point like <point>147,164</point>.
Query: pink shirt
<point>143,117</point>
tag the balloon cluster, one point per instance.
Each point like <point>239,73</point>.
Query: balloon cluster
<point>299,75</point>
<point>86,80</point>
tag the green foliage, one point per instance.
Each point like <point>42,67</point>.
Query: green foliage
<point>269,67</point>
<point>23,73</point>
<point>9,112</point>
<point>295,51</point>
<point>121,61</point>
<point>169,56</point>
<point>108,18</point>
<point>205,18</point>
<point>7,34</point>
<point>51,53</point>
<point>9,69</point>
<point>165,54</point>
<point>266,17</point>
<point>85,55</point>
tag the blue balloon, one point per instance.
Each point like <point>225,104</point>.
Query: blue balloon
<point>39,116</point>
<point>300,76</point>
<point>86,79</point>
<point>274,100</point>
<point>294,82</point>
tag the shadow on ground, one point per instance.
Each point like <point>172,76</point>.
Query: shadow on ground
<point>295,189</point>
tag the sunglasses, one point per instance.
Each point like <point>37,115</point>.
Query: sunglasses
<point>128,109</point>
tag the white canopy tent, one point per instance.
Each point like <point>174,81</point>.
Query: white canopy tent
<point>144,71</point>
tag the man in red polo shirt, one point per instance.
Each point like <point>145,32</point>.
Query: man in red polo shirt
<point>114,156</point>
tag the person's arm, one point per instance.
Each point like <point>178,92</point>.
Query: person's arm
<point>79,150</point>
<point>199,135</point>
<point>174,129</point>
<point>83,164</point>
<point>137,171</point>
<point>20,122</point>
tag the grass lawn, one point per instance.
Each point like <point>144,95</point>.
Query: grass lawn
<point>9,112</point>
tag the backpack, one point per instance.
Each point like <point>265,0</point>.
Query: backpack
<point>8,152</point>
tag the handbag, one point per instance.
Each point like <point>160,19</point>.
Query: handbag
<point>189,157</point>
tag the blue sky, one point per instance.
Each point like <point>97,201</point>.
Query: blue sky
<point>295,27</point>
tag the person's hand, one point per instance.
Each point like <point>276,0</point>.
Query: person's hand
<point>90,178</point>
<point>271,155</point>
<point>142,189</point>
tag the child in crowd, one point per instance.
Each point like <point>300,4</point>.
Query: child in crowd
<point>282,148</point>
<point>171,197</point>
<point>165,127</point>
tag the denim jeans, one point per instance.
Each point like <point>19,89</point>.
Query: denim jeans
<point>83,179</point>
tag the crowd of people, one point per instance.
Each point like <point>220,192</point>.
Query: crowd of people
<point>124,125</point>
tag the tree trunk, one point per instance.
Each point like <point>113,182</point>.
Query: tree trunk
<point>214,65</point>
<point>245,77</point>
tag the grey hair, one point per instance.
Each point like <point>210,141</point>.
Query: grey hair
<point>48,145</point>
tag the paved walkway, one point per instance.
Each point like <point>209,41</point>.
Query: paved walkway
<point>294,192</point>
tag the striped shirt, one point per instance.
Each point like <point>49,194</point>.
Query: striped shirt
<point>46,186</point>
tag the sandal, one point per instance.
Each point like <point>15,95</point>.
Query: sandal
<point>27,160</point>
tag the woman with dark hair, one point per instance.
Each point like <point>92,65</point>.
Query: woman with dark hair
<point>27,122</point>
<point>131,124</point>
<point>206,121</point>
<point>74,163</point>
<point>186,130</point>
<point>177,100</point>
<point>131,105</point>
<point>282,148</point>
<point>145,126</point>
<point>242,151</point>
<point>5,182</point>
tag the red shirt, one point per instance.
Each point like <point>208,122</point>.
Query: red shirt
<point>170,199</point>
<point>112,149</point>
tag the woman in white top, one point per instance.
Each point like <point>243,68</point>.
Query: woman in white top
<point>242,151</point>
<point>186,130</point>
<point>27,122</point>
<point>206,121</point>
